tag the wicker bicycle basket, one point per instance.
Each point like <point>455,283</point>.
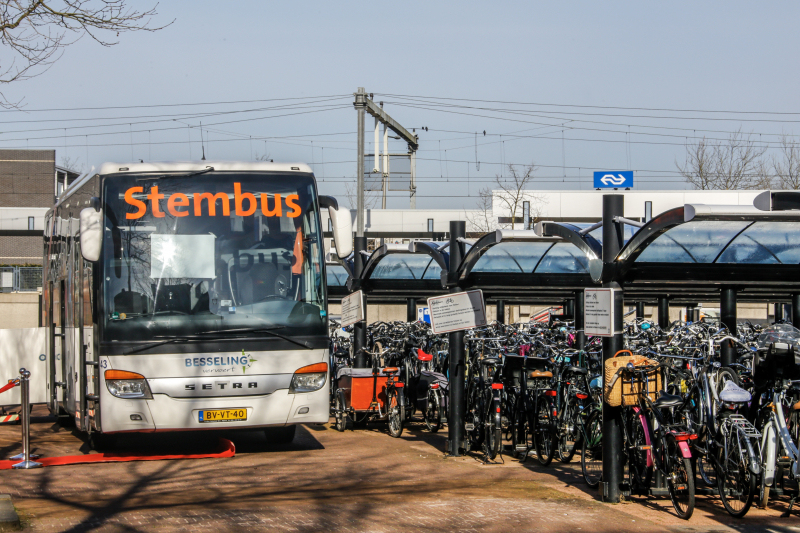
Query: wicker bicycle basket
<point>628,387</point>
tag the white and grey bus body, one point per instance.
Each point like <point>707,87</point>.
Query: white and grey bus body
<point>253,376</point>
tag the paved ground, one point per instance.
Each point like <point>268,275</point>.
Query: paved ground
<point>360,481</point>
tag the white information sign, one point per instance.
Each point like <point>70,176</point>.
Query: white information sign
<point>352,308</point>
<point>454,312</point>
<point>598,305</point>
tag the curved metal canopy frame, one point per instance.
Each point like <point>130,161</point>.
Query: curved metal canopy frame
<point>646,235</point>
<point>441,257</point>
<point>590,246</point>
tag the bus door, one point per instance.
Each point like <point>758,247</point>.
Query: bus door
<point>61,349</point>
<point>71,346</point>
<point>56,312</point>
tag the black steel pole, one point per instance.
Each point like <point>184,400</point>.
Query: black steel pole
<point>411,309</point>
<point>580,336</point>
<point>501,311</point>
<point>458,366</point>
<point>613,238</point>
<point>360,328</point>
<point>778,311</point>
<point>727,315</point>
<point>796,309</point>
<point>569,308</point>
<point>639,310</point>
<point>663,312</point>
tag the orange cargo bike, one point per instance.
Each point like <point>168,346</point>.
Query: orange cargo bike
<point>368,395</point>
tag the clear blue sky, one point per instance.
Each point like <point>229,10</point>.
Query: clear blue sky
<point>729,56</point>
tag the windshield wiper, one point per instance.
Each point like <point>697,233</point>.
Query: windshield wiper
<point>167,340</point>
<point>268,331</point>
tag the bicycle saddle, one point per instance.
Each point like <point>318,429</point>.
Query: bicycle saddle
<point>668,400</point>
<point>423,357</point>
<point>733,393</point>
<point>490,361</point>
<point>576,370</point>
<point>540,374</point>
<point>390,370</point>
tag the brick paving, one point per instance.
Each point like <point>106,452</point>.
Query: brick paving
<point>360,481</point>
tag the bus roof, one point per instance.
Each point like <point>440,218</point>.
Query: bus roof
<point>192,166</point>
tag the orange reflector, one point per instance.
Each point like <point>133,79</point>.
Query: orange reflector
<point>497,386</point>
<point>312,369</point>
<point>581,396</point>
<point>680,437</point>
<point>399,384</point>
<point>435,386</point>
<point>550,393</point>
<point>122,374</point>
<point>498,409</point>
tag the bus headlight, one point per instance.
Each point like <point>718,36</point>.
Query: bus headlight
<point>127,385</point>
<point>309,378</point>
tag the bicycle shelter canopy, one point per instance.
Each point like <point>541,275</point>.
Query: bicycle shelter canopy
<point>688,254</point>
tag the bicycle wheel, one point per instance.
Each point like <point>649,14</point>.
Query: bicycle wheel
<point>433,412</point>
<point>680,479</point>
<point>736,484</point>
<point>569,434</point>
<point>521,436</point>
<point>592,450</point>
<point>493,438</point>
<point>543,434</point>
<point>708,474</point>
<point>339,412</point>
<point>640,472</point>
<point>394,405</point>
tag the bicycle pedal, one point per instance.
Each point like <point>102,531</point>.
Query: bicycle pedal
<point>520,448</point>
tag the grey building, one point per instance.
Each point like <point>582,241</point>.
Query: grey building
<point>29,183</point>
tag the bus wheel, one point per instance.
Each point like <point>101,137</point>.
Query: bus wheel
<point>65,421</point>
<point>281,435</point>
<point>101,442</point>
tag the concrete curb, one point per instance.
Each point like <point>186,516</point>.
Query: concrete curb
<point>9,520</point>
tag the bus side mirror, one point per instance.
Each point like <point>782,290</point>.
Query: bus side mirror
<point>91,233</point>
<point>342,226</point>
<point>342,231</point>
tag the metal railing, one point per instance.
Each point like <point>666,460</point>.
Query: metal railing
<point>20,279</point>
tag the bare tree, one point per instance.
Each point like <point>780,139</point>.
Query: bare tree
<point>37,31</point>
<point>351,193</point>
<point>736,163</point>
<point>787,165</point>
<point>481,221</point>
<point>512,192</point>
<point>266,156</point>
<point>72,164</point>
<point>698,170</point>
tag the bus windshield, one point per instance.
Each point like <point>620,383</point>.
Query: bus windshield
<point>184,255</point>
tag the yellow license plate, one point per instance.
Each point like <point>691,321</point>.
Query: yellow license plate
<point>222,415</point>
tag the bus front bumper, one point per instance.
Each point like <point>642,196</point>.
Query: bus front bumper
<point>164,413</point>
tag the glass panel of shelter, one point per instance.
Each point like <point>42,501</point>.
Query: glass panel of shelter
<point>401,266</point>
<point>512,257</point>
<point>765,243</point>
<point>563,258</point>
<point>693,242</point>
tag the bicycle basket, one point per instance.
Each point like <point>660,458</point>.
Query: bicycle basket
<point>628,387</point>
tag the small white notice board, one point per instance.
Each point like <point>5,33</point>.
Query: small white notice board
<point>454,312</point>
<point>598,306</point>
<point>352,308</point>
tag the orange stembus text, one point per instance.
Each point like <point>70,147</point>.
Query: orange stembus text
<point>245,203</point>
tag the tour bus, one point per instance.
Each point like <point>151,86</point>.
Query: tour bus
<point>189,296</point>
